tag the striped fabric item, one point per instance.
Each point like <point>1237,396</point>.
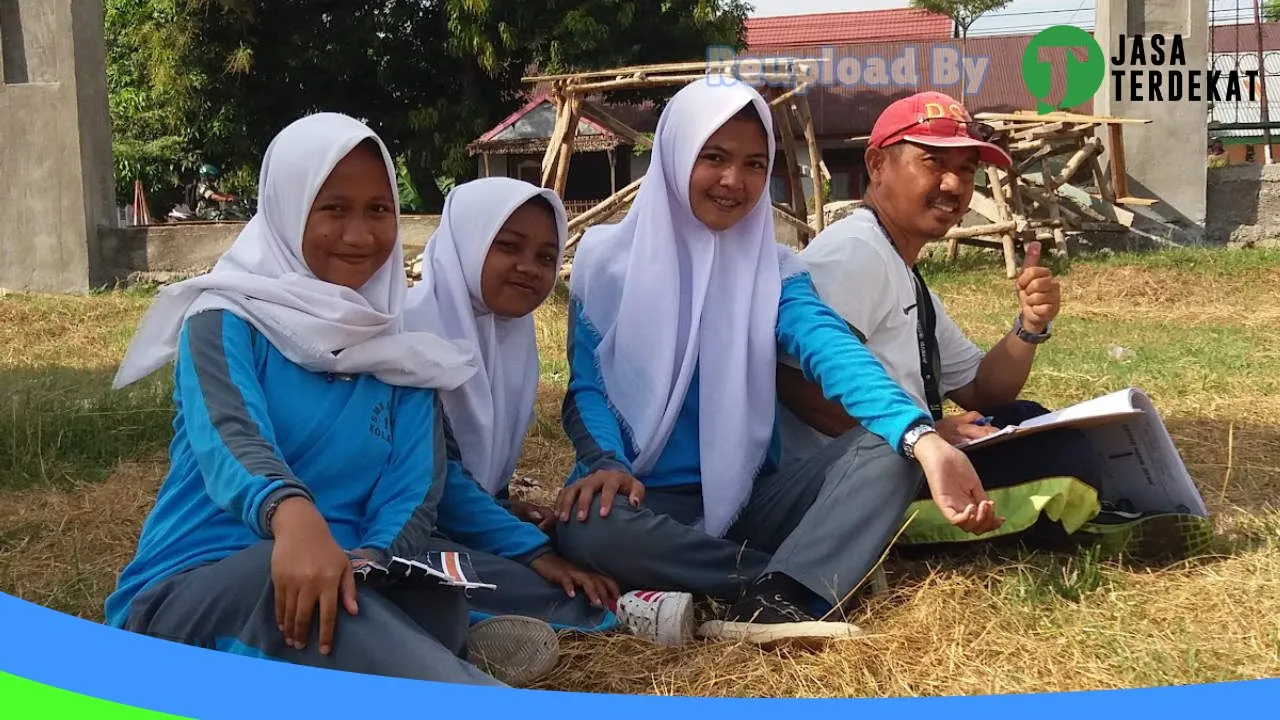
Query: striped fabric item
<point>431,568</point>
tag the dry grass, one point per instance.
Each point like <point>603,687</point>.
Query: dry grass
<point>989,621</point>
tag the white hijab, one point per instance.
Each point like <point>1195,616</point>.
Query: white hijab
<point>667,295</point>
<point>264,280</point>
<point>491,412</point>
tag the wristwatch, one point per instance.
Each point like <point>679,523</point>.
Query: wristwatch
<point>912,436</point>
<point>1029,337</point>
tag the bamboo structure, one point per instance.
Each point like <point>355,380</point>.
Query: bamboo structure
<point>783,88</point>
<point>1031,200</point>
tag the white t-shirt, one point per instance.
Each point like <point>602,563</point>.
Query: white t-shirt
<point>858,272</point>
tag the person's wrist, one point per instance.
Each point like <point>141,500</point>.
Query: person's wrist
<point>541,560</point>
<point>1030,331</point>
<point>928,445</point>
<point>291,513</point>
<point>911,439</point>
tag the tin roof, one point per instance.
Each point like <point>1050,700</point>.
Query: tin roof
<point>845,27</point>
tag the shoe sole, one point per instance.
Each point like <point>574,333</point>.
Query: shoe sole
<point>1160,538</point>
<point>685,624</point>
<point>814,635</point>
<point>518,651</point>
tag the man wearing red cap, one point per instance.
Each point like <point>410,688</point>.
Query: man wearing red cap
<point>922,157</point>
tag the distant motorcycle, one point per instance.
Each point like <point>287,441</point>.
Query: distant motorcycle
<point>235,210</point>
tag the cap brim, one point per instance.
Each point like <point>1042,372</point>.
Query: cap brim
<point>989,153</point>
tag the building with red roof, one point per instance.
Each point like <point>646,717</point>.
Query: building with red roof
<point>797,31</point>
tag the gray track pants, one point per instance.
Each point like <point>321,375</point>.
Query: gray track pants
<point>521,591</point>
<point>823,521</point>
<point>415,633</point>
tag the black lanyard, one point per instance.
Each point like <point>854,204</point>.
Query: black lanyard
<point>926,333</point>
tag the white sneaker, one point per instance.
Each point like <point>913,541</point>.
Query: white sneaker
<point>516,650</point>
<point>665,618</point>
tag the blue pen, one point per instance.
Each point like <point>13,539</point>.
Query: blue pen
<point>986,420</point>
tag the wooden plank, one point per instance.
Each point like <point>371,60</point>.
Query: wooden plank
<point>1119,173</point>
<point>1041,131</point>
<point>1145,202</point>
<point>1011,127</point>
<point>1029,115</point>
<point>1101,211</point>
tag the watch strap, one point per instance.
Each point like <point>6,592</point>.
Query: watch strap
<point>1028,336</point>
<point>912,436</point>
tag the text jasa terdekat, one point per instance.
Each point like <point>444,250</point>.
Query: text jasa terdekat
<point>1154,68</point>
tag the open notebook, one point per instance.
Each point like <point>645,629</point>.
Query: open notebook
<point>1098,411</point>
<point>1142,470</point>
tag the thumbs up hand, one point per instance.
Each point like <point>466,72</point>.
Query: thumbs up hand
<point>1038,292</point>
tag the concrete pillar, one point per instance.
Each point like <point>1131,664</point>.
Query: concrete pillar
<point>56,186</point>
<point>1166,158</point>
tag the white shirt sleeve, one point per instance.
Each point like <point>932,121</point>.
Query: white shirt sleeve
<point>851,275</point>
<point>960,357</point>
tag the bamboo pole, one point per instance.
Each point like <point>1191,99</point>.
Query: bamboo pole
<point>566,147</point>
<point>1088,149</point>
<point>604,208</point>
<point>1025,164</point>
<point>976,230</point>
<point>643,71</point>
<point>793,92</point>
<point>801,107</point>
<point>1100,179</point>
<point>613,170</point>
<point>1059,238</point>
<point>550,160</point>
<point>782,119</point>
<point>631,84</point>
<point>1007,243</point>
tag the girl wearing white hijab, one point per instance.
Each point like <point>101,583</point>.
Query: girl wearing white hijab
<point>677,316</point>
<point>490,264</point>
<point>309,440</point>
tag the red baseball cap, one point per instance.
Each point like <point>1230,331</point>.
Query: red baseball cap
<point>907,120</point>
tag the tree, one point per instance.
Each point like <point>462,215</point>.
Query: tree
<point>1271,11</point>
<point>963,13</point>
<point>214,80</point>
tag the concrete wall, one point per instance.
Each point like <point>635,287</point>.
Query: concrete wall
<point>56,186</point>
<point>190,248</point>
<point>1166,158</point>
<point>1244,205</point>
<point>173,251</point>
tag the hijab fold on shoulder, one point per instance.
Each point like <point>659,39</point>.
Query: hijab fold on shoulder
<point>668,296</point>
<point>263,279</point>
<point>491,412</point>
